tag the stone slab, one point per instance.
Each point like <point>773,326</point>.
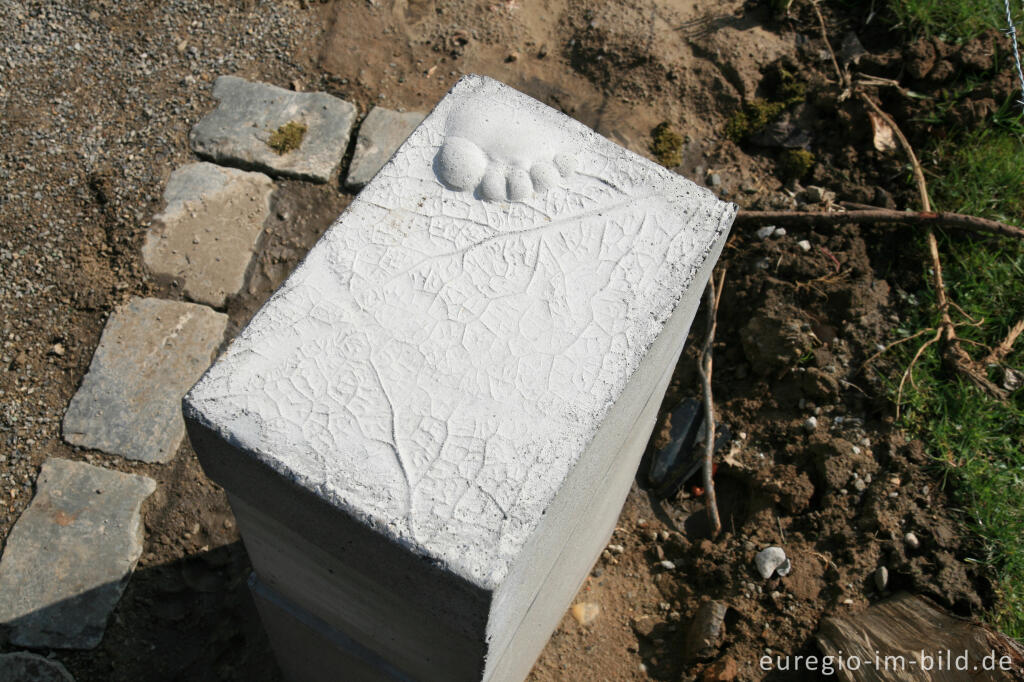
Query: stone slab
<point>208,232</point>
<point>150,352</point>
<point>70,555</point>
<point>380,135</point>
<point>22,666</point>
<point>457,362</point>
<point>238,132</point>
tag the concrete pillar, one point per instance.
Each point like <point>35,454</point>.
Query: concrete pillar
<point>428,432</point>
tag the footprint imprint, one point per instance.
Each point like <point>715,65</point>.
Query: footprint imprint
<point>501,154</point>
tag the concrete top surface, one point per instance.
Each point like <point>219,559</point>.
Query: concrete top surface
<point>441,359</point>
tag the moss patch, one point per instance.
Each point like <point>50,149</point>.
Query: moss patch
<point>758,113</point>
<point>667,145</point>
<point>287,138</point>
<point>794,163</point>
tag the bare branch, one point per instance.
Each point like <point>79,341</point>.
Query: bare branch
<point>878,216</point>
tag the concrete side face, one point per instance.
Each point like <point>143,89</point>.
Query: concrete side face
<point>309,650</point>
<point>302,518</point>
<point>439,363</point>
<point>530,603</point>
<point>366,609</point>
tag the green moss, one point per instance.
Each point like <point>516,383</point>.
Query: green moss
<point>753,118</point>
<point>287,138</point>
<point>789,88</point>
<point>758,113</point>
<point>667,145</point>
<point>794,163</point>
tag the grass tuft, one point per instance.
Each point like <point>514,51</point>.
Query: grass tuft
<point>978,442</point>
<point>951,20</point>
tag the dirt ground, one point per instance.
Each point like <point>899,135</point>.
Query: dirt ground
<point>98,98</point>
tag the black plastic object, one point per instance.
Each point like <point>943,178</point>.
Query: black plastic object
<point>674,464</point>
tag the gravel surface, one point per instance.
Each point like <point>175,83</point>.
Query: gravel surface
<point>96,101</point>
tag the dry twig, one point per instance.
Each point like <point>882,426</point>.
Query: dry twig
<point>878,216</point>
<point>1005,346</point>
<point>704,366</point>
<point>953,355</point>
<point>843,81</point>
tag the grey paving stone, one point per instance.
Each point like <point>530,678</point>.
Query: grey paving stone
<point>70,555</point>
<point>382,133</point>
<point>150,352</point>
<point>22,666</point>
<point>25,667</point>
<point>208,232</point>
<point>238,132</point>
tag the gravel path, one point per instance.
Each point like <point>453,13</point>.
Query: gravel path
<point>96,101</point>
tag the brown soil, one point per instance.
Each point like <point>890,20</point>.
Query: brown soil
<point>89,135</point>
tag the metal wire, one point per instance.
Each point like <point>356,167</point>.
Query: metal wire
<point>1011,31</point>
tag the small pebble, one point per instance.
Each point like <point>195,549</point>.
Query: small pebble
<point>911,541</point>
<point>811,424</point>
<point>585,613</point>
<point>779,232</point>
<point>881,578</point>
<point>814,194</point>
<point>667,565</point>
<point>765,232</point>
<point>804,245</point>
<point>772,560</point>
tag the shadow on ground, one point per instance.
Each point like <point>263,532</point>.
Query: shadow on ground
<point>191,619</point>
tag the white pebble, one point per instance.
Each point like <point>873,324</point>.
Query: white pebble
<point>772,560</point>
<point>804,245</point>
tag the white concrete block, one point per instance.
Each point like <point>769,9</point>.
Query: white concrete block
<point>456,370</point>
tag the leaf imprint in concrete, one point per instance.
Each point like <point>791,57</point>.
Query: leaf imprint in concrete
<point>246,127</point>
<point>207,234</point>
<point>70,555</point>
<point>150,352</point>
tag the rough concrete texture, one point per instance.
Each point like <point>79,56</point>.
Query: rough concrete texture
<point>238,132</point>
<point>21,666</point>
<point>442,368</point>
<point>438,363</point>
<point>380,135</point>
<point>150,352</point>
<point>70,555</point>
<point>207,234</point>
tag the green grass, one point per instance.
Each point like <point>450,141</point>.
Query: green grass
<point>952,20</point>
<point>978,442</point>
